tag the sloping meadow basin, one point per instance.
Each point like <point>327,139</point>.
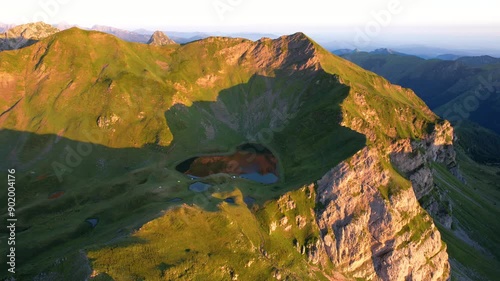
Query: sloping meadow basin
<point>250,161</point>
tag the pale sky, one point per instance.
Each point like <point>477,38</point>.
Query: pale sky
<point>378,18</point>
<point>261,14</point>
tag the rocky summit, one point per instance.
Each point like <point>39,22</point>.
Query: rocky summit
<point>25,35</point>
<point>160,39</point>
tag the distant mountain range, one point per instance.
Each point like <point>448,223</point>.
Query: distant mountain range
<point>143,35</point>
<point>448,57</point>
<point>479,61</point>
<point>380,51</point>
<point>123,34</point>
<point>41,30</point>
<point>424,53</point>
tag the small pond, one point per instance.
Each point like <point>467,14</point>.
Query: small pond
<point>92,221</point>
<point>250,161</point>
<point>199,187</point>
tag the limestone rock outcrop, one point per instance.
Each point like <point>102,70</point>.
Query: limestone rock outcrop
<point>160,39</point>
<point>25,35</point>
<point>414,159</point>
<point>377,236</point>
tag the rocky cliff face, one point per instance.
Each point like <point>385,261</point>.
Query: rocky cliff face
<point>415,158</point>
<point>372,225</point>
<point>25,35</point>
<point>160,39</point>
<point>370,222</point>
<point>371,235</point>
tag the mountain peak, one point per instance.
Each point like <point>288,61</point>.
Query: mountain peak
<point>387,51</point>
<point>298,36</point>
<point>35,30</point>
<point>160,39</point>
<point>296,51</point>
<point>477,61</point>
<point>25,35</point>
<point>383,51</point>
<point>297,40</point>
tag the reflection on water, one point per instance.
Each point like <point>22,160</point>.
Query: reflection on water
<point>266,178</point>
<point>92,221</point>
<point>199,187</point>
<point>250,161</point>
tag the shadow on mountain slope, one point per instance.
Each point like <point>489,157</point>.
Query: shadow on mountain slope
<point>14,43</point>
<point>299,122</point>
<point>296,116</point>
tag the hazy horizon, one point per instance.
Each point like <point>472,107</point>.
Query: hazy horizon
<point>365,25</point>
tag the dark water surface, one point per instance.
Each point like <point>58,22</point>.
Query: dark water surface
<point>250,161</point>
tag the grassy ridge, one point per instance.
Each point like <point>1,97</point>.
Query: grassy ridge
<point>149,108</point>
<point>446,86</point>
<point>189,243</point>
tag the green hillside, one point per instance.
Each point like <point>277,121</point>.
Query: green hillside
<point>464,91</point>
<point>94,127</point>
<point>472,241</point>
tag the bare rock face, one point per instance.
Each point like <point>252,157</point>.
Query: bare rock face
<point>25,35</point>
<point>160,39</point>
<point>372,225</point>
<point>371,235</point>
<point>414,160</point>
<point>300,54</point>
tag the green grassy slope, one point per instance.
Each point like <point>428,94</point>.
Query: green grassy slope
<point>446,86</point>
<point>428,78</point>
<point>472,241</point>
<point>236,242</point>
<point>143,109</point>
